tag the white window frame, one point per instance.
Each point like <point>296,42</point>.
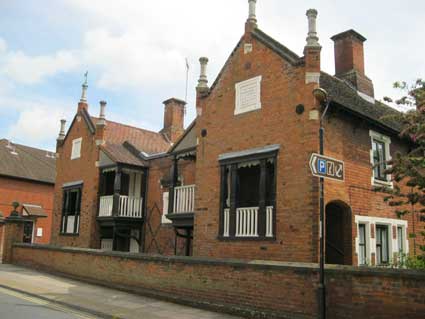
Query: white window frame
<point>370,223</point>
<point>375,136</point>
<point>76,150</point>
<point>165,198</point>
<point>239,90</point>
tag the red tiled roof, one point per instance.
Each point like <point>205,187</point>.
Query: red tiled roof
<point>144,140</point>
<point>116,134</point>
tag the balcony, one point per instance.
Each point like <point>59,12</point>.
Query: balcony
<point>184,199</point>
<point>247,222</point>
<point>183,206</point>
<point>128,206</point>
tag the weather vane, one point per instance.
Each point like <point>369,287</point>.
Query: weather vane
<point>85,77</point>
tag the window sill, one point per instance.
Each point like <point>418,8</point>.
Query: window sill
<point>69,234</point>
<point>381,183</point>
<point>258,239</point>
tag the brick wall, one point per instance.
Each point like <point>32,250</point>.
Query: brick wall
<point>262,289</point>
<point>160,237</point>
<point>81,169</point>
<point>348,139</point>
<point>283,87</point>
<point>27,192</point>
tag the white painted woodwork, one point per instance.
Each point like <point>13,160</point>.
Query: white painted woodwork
<point>269,221</point>
<point>184,199</point>
<point>105,206</point>
<point>128,206</point>
<point>247,222</point>
<point>165,198</point>
<point>106,244</point>
<point>226,222</point>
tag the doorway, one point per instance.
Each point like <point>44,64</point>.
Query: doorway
<point>338,234</point>
<point>28,232</point>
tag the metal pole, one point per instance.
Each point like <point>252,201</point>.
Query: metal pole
<point>322,288</point>
<point>322,292</point>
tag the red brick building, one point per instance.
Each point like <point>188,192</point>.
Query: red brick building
<point>237,182</point>
<point>27,177</point>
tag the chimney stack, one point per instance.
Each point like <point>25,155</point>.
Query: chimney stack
<point>100,125</point>
<point>203,80</point>
<point>173,119</point>
<point>62,130</point>
<point>312,38</point>
<point>312,50</point>
<point>349,61</point>
<point>202,89</point>
<point>251,23</point>
<point>61,136</point>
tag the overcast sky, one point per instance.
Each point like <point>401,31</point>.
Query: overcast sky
<point>135,52</point>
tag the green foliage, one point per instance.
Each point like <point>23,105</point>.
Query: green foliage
<point>409,168</point>
<point>415,262</point>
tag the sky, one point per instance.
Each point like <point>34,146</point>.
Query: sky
<point>135,51</point>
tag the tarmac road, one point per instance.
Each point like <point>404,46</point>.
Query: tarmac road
<point>15,305</point>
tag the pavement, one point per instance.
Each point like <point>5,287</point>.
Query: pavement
<point>71,299</point>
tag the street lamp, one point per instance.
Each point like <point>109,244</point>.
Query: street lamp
<point>323,98</point>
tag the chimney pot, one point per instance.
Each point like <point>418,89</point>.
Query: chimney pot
<point>312,38</point>
<point>203,80</point>
<point>62,130</point>
<point>252,17</point>
<point>102,109</point>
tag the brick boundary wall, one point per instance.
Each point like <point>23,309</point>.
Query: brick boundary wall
<point>260,289</point>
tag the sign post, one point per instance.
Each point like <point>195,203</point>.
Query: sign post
<point>327,167</point>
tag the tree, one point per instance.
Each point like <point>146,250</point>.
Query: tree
<point>408,170</point>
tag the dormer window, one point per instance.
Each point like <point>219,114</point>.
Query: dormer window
<point>76,148</point>
<point>379,157</point>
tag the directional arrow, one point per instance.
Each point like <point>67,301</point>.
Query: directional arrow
<point>326,167</point>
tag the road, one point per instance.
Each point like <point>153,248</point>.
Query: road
<point>91,299</point>
<point>15,305</point>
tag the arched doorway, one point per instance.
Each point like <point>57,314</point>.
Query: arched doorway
<point>338,234</point>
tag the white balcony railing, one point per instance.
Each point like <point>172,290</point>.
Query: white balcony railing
<point>105,206</point>
<point>247,222</point>
<point>184,199</point>
<point>128,206</point>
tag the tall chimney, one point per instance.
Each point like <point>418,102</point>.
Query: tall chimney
<point>173,119</point>
<point>61,136</point>
<point>251,23</point>
<point>349,60</point>
<point>62,130</point>
<point>100,125</point>
<point>312,51</point>
<point>202,89</point>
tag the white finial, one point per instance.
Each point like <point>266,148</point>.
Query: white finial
<point>203,80</point>
<point>252,8</point>
<point>85,86</point>
<point>312,38</point>
<point>62,130</point>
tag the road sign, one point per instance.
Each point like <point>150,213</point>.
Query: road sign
<point>327,167</point>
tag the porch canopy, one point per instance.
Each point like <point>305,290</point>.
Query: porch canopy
<point>35,211</point>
